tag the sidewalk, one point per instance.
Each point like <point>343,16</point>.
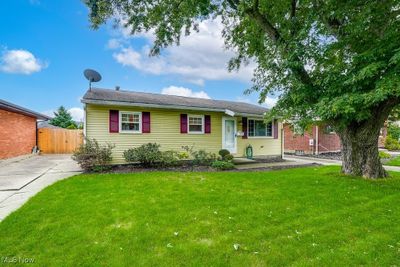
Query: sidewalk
<point>329,162</point>
<point>23,178</point>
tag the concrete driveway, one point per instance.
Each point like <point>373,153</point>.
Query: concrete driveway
<point>22,178</point>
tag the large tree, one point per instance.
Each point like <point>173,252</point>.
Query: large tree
<point>336,60</point>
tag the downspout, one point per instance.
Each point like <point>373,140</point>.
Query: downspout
<point>84,122</point>
<point>36,143</point>
<point>282,143</point>
<point>316,140</point>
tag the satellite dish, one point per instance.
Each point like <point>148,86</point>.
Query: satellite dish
<point>92,76</point>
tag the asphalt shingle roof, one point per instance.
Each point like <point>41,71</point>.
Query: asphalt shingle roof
<point>104,96</point>
<point>21,110</point>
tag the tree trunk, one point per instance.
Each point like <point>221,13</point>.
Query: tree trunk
<point>360,152</point>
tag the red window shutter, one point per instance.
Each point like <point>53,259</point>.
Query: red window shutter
<point>244,127</point>
<point>146,122</point>
<point>207,124</point>
<point>184,122</point>
<point>275,129</point>
<point>114,121</point>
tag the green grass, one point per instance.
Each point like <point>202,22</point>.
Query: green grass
<point>310,216</point>
<point>393,162</point>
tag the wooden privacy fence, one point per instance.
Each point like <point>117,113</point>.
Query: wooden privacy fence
<point>59,141</point>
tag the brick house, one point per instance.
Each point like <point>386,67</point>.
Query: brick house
<point>328,140</point>
<point>18,130</point>
<point>319,139</point>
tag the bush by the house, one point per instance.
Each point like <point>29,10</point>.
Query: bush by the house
<point>183,155</point>
<point>169,158</point>
<point>150,155</point>
<point>223,153</point>
<point>228,157</point>
<point>391,143</point>
<point>92,156</point>
<point>199,157</point>
<point>202,157</point>
<point>222,165</point>
<point>384,155</point>
<point>147,155</point>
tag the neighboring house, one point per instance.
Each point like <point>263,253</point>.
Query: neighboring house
<point>305,142</point>
<point>319,139</point>
<point>18,130</point>
<point>129,119</point>
<point>46,124</point>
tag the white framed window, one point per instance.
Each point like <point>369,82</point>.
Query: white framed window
<point>258,128</point>
<point>130,122</point>
<point>196,124</point>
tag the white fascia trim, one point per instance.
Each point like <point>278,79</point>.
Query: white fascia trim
<point>128,104</point>
<point>229,112</point>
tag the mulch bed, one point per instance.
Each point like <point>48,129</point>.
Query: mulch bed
<point>135,168</point>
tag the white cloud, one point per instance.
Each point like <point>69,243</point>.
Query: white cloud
<point>270,102</point>
<point>113,44</point>
<point>200,56</point>
<point>20,61</point>
<point>76,113</point>
<point>49,113</point>
<point>182,91</point>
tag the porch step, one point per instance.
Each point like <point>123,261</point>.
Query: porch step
<point>240,161</point>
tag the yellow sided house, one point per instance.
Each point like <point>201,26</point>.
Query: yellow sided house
<point>129,119</point>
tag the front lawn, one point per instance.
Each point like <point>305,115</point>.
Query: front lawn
<point>310,216</point>
<point>394,161</point>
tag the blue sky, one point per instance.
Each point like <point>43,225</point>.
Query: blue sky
<point>45,45</point>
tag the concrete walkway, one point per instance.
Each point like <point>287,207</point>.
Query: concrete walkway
<point>22,178</point>
<point>272,165</point>
<point>329,162</point>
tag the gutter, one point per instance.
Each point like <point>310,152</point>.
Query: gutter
<point>17,109</point>
<point>146,105</point>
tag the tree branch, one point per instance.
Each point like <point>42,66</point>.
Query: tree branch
<point>262,20</point>
<point>293,13</point>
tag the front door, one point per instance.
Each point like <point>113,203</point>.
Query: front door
<point>228,134</point>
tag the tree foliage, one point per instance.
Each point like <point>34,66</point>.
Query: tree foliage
<point>336,60</point>
<point>62,118</point>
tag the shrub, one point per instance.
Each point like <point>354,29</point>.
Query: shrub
<point>203,157</point>
<point>384,155</point>
<point>147,154</point>
<point>169,158</point>
<point>394,131</point>
<point>224,152</point>
<point>92,156</point>
<point>223,165</point>
<point>72,127</point>
<point>228,157</point>
<point>391,143</point>
<point>183,155</point>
